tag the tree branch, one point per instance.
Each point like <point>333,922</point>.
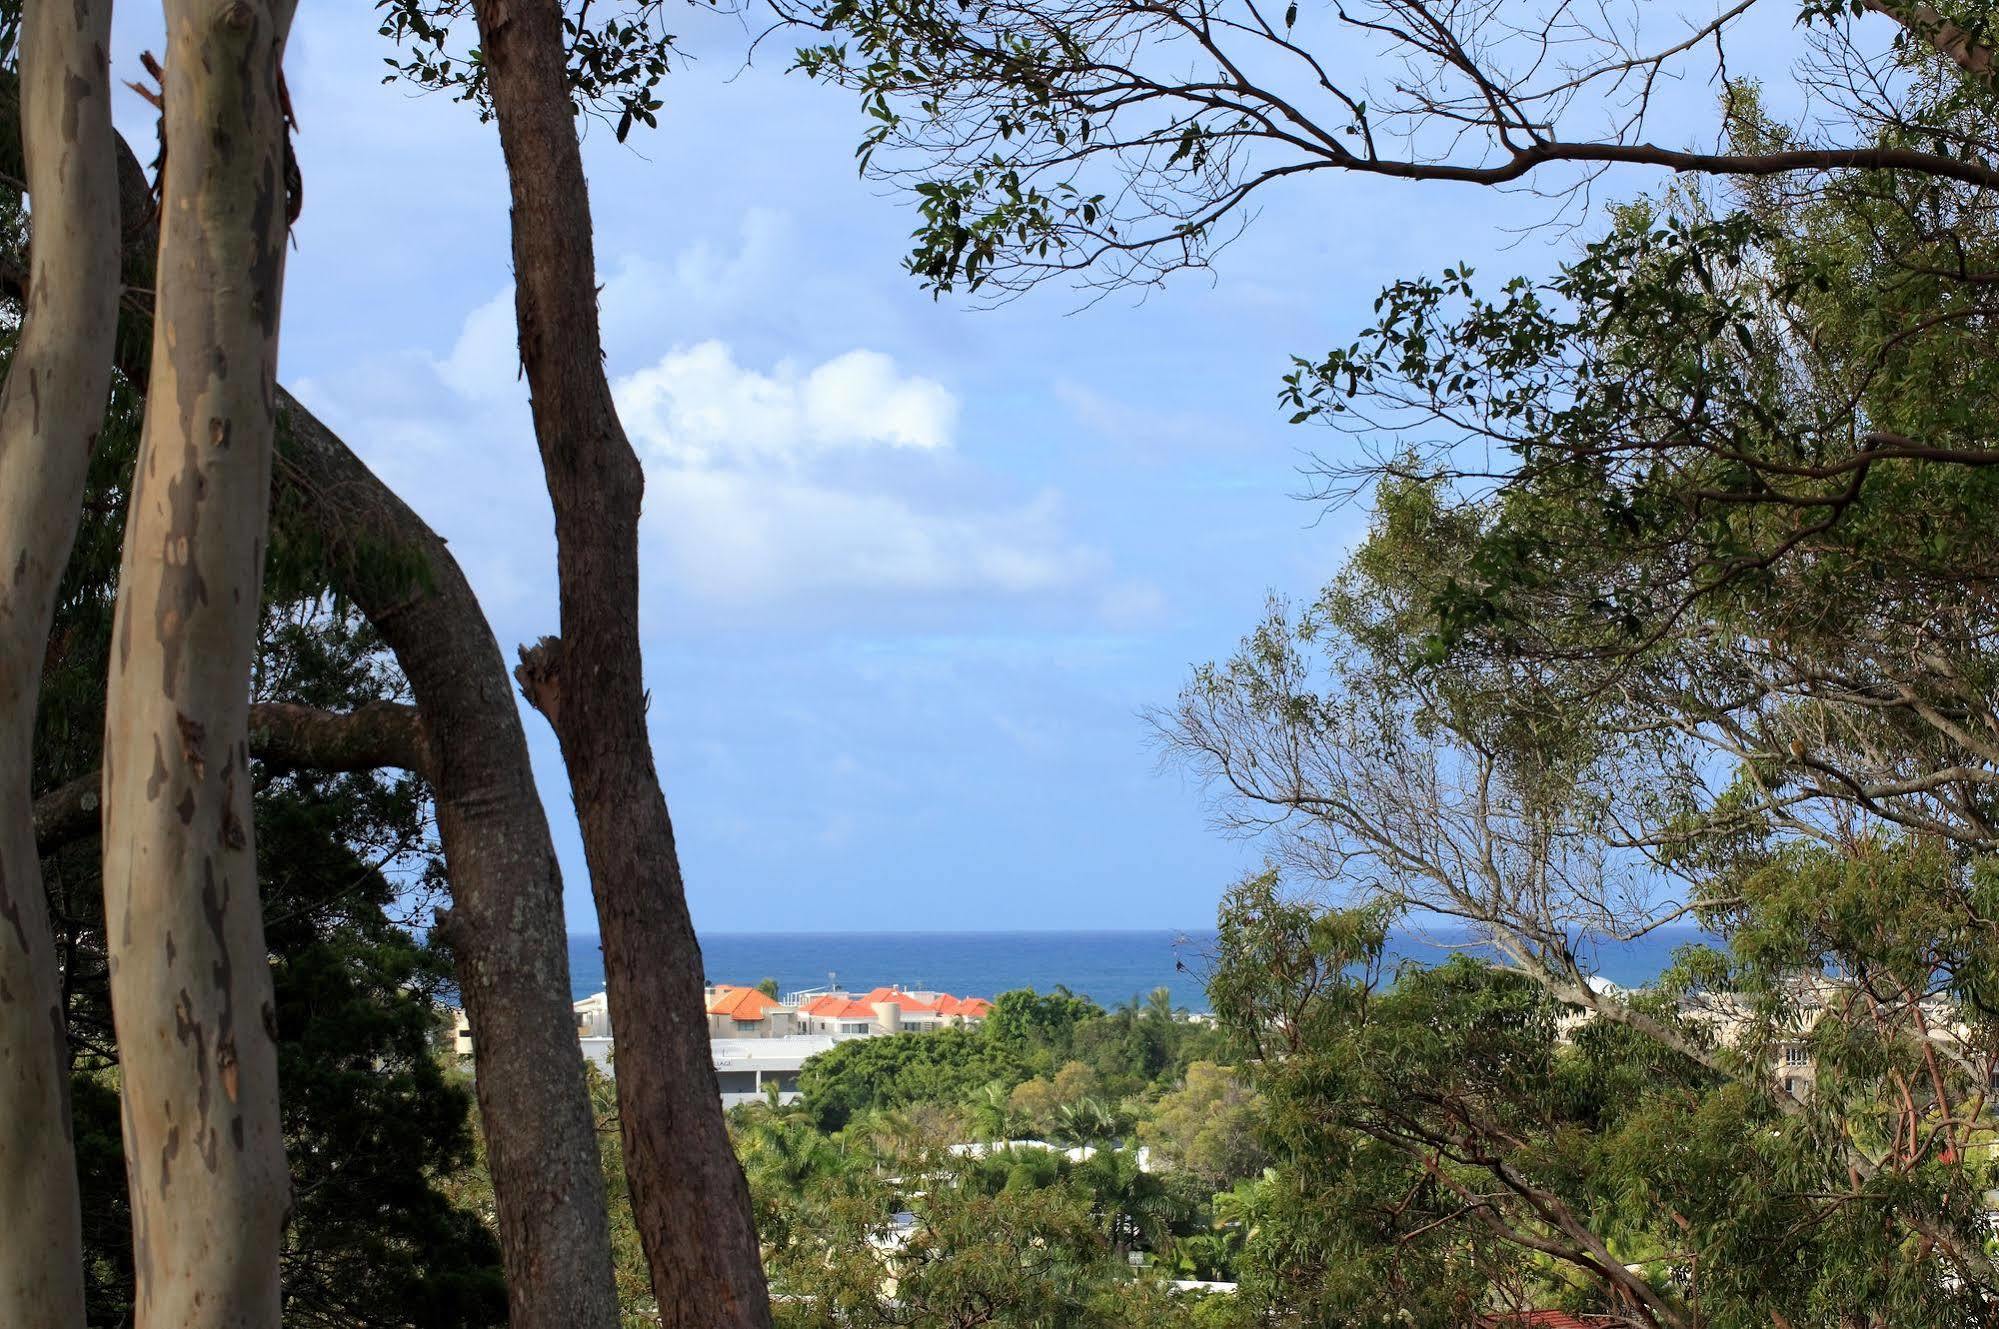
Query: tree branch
<point>1946,38</point>
<point>377,736</point>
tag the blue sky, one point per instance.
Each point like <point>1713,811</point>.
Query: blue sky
<point>912,569</point>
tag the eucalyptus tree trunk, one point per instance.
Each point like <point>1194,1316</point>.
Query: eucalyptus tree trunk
<point>50,411</point>
<point>506,930</point>
<point>506,927</point>
<point>190,977</point>
<point>689,1199</point>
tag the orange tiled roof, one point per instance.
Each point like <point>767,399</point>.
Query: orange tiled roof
<point>836,1005</point>
<point>741,1003</point>
<point>844,1006</point>
<point>910,1005</point>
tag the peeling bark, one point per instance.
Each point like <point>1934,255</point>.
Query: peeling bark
<point>688,1195</point>
<point>507,931</point>
<point>190,978</point>
<point>50,412</point>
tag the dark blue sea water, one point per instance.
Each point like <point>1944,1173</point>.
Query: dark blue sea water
<point>1108,967</point>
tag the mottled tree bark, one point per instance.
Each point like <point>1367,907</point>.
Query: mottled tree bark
<point>190,975</point>
<point>688,1195</point>
<point>50,412</point>
<point>507,930</point>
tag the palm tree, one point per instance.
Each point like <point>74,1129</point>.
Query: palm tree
<point>993,1117</point>
<point>1090,1120</point>
<point>1131,1202</point>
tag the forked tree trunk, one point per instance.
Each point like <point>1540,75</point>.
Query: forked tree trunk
<point>50,412</point>
<point>688,1196</point>
<point>190,976</point>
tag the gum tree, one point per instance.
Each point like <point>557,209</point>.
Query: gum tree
<point>191,987</point>
<point>464,734</point>
<point>50,409</point>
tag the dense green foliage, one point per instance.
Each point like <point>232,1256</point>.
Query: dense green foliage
<point>1450,1143</point>
<point>1676,607</point>
<point>993,1175</point>
<point>895,1072</point>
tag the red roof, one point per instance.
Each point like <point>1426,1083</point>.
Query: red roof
<point>1538,1320</point>
<point>845,1006</point>
<point>741,1003</point>
<point>838,1006</point>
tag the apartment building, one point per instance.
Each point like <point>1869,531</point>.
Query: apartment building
<point>887,1011</point>
<point>737,1012</point>
<point>759,1042</point>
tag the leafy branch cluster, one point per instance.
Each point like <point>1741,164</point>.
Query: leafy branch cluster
<point>616,59</point>
<point>1115,142</point>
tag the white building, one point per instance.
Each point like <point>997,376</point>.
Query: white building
<point>758,1041</point>
<point>747,1068</point>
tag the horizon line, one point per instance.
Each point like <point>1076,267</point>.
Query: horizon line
<point>943,932</point>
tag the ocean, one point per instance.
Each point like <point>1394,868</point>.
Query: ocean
<point>1107,967</point>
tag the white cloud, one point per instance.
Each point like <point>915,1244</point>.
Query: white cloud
<point>753,492</point>
<point>738,535</point>
<point>1132,604</point>
<point>697,406</point>
<point>485,360</point>
<point>796,481</point>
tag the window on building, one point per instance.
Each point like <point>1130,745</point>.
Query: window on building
<point>749,1024</point>
<point>1791,1085</point>
<point>1795,1055</point>
<point>860,1028</point>
<point>737,1082</point>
